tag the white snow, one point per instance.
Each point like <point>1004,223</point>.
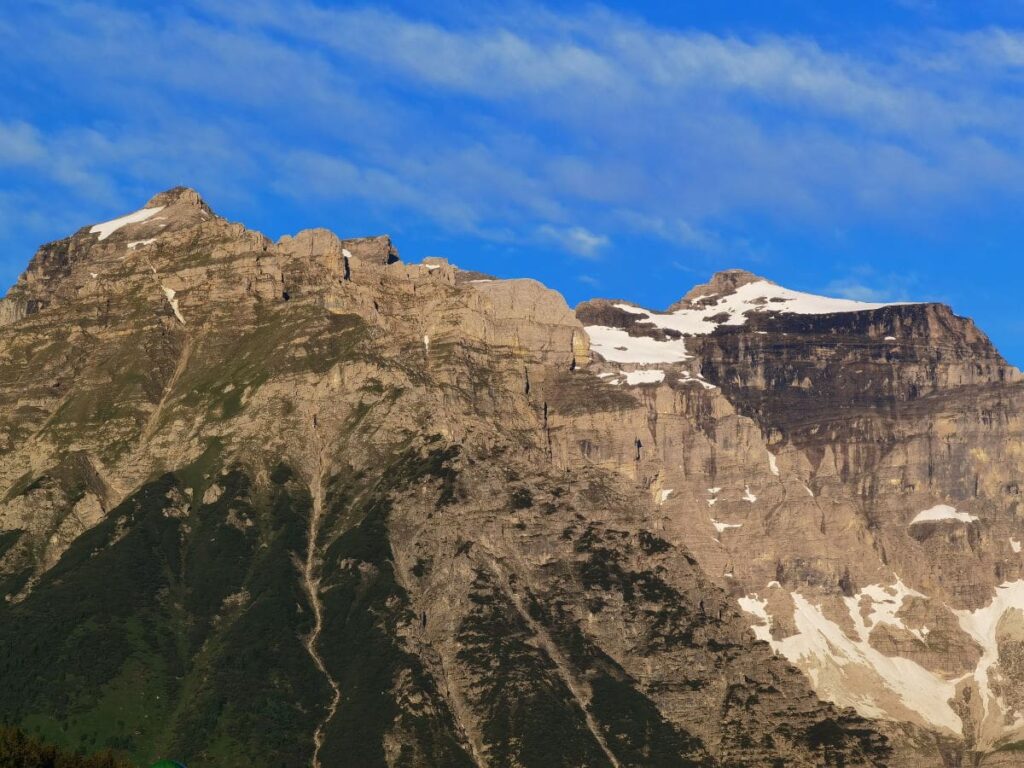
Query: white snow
<point>169,293</point>
<point>688,378</point>
<point>885,602</point>
<point>426,343</point>
<point>714,490</point>
<point>432,267</point>
<point>134,243</point>
<point>773,584</point>
<point>665,494</point>
<point>760,297</point>
<point>981,625</point>
<point>890,338</point>
<point>720,526</point>
<point>645,377</point>
<point>93,275</point>
<point>849,672</point>
<point>617,346</point>
<point>809,491</point>
<point>772,465</point>
<point>942,512</point>
<point>755,606</point>
<point>633,310</point>
<point>107,228</point>
<point>711,502</point>
<point>346,253</point>
<point>757,297</point>
<point>747,495</point>
<point>1015,544</point>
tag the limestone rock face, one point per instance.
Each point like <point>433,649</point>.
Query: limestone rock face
<point>304,500</point>
<point>849,474</point>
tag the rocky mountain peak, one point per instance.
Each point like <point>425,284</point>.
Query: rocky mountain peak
<point>185,196</point>
<point>721,284</point>
<point>651,533</point>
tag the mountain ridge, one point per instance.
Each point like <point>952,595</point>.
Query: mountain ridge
<point>443,494</point>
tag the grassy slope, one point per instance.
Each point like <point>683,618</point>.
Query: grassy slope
<point>168,631</point>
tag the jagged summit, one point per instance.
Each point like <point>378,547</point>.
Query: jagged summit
<point>741,319</point>
<point>721,283</point>
<point>169,211</point>
<point>510,551</point>
<point>733,298</point>
<point>738,292</point>
<point>179,195</point>
<point>732,295</point>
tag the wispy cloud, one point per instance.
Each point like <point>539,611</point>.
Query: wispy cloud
<point>569,127</point>
<point>577,240</point>
<point>865,283</point>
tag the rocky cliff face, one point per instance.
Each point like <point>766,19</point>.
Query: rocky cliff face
<point>300,503</point>
<point>849,474</point>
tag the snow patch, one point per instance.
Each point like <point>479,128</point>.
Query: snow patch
<point>981,626</point>
<point>848,671</point>
<point>755,606</point>
<point>617,346</point>
<point>107,228</point>
<point>885,603</point>
<point>943,512</point>
<point>169,293</point>
<point>664,495</point>
<point>688,378</point>
<point>757,297</point>
<point>1015,544</point>
<point>720,526</point>
<point>135,243</point>
<point>747,495</point>
<point>645,377</point>
<point>772,465</point>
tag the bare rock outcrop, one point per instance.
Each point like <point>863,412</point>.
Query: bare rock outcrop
<point>342,509</point>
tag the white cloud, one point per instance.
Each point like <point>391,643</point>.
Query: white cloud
<point>526,124</point>
<point>576,240</point>
<point>864,283</point>
<point>19,144</point>
<point>850,289</point>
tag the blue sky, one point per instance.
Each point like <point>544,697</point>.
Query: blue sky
<point>620,150</point>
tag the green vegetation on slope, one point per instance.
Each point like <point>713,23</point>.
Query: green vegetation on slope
<point>19,750</point>
<point>172,628</point>
<point>365,609</point>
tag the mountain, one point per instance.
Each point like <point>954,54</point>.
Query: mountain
<point>298,503</point>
